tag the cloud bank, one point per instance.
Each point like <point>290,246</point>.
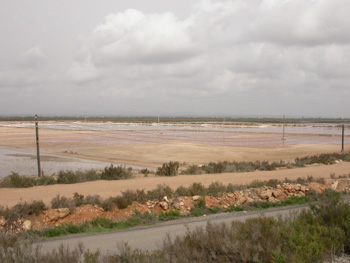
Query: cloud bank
<point>232,57</point>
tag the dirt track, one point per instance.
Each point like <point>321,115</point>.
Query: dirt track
<point>10,197</point>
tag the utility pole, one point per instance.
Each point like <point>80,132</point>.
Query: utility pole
<point>342,138</point>
<point>37,145</point>
<point>283,138</point>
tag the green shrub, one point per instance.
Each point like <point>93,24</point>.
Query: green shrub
<point>67,177</point>
<point>103,223</point>
<point>108,204</point>
<point>62,202</point>
<point>160,192</point>
<point>197,212</point>
<point>182,191</point>
<point>138,196</point>
<point>23,210</point>
<point>212,167</point>
<point>332,212</point>
<point>93,200</point>
<point>168,169</point>
<point>169,215</point>
<point>200,204</point>
<point>214,210</point>
<point>235,208</point>
<point>53,232</point>
<point>78,199</point>
<point>260,205</point>
<point>21,181</point>
<point>122,202</point>
<point>45,180</point>
<point>197,189</point>
<point>216,189</point>
<point>145,172</point>
<point>306,240</point>
<point>116,173</point>
<point>192,169</point>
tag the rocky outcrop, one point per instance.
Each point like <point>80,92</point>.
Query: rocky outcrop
<point>54,215</point>
<point>317,187</point>
<point>183,204</point>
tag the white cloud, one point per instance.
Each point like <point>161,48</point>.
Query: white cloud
<point>233,51</point>
<point>32,58</point>
<point>85,71</point>
<point>133,37</point>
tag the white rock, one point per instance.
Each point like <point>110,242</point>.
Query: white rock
<point>196,198</point>
<point>335,185</point>
<point>27,225</point>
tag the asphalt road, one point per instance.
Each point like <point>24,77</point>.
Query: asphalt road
<point>151,238</point>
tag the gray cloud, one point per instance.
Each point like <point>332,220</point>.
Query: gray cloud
<point>232,57</point>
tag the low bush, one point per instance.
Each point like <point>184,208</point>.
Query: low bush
<point>138,196</point>
<point>182,191</point>
<point>103,223</point>
<point>116,173</point>
<point>122,202</point>
<point>46,180</point>
<point>145,172</point>
<point>192,169</point>
<point>235,208</point>
<point>67,177</point>
<point>23,210</point>
<point>63,202</point>
<point>168,169</point>
<point>216,189</point>
<point>160,192</point>
<point>169,215</point>
<point>197,189</point>
<point>21,181</point>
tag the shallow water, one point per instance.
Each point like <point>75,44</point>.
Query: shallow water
<point>300,128</point>
<point>25,163</point>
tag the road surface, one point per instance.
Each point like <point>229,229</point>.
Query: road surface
<point>151,238</point>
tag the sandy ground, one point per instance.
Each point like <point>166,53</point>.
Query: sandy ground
<point>62,149</point>
<point>10,197</point>
<point>150,149</point>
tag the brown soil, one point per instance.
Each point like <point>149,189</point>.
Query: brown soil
<point>11,196</point>
<point>109,147</point>
<point>148,149</point>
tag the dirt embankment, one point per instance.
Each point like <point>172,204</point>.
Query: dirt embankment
<point>11,196</point>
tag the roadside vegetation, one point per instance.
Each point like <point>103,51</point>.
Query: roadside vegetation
<point>167,169</point>
<point>67,177</point>
<point>216,189</point>
<point>240,167</point>
<point>315,235</point>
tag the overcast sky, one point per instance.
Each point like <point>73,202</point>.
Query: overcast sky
<point>184,57</point>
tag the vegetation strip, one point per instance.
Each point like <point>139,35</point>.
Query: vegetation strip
<point>168,169</point>
<point>313,235</point>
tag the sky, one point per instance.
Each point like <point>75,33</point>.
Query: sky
<point>175,58</point>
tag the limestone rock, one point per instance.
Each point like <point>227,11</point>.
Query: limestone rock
<point>2,221</point>
<point>164,205</point>
<point>56,214</point>
<point>265,194</point>
<point>317,187</point>
<point>240,200</point>
<point>27,225</point>
<point>335,185</point>
<point>196,198</point>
